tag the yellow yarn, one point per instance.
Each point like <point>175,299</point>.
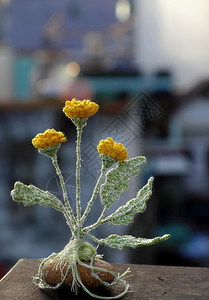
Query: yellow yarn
<point>113,149</point>
<point>80,109</point>
<point>49,138</point>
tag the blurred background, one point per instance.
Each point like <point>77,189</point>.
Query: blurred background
<point>146,63</point>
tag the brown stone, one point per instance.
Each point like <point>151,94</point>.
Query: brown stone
<point>52,274</point>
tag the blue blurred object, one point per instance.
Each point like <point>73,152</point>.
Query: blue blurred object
<point>23,66</point>
<point>197,247</point>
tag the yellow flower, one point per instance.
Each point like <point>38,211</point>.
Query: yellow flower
<point>49,138</point>
<point>113,149</point>
<point>80,109</point>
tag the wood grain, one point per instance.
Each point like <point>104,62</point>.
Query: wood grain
<point>147,282</point>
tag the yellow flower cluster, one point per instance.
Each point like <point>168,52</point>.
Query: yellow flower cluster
<point>80,109</point>
<point>113,149</point>
<point>49,138</point>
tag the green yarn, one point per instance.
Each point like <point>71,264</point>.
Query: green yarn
<point>78,250</point>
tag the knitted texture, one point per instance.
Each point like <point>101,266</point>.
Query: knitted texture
<point>113,149</point>
<point>80,109</point>
<point>115,181</point>
<point>49,138</point>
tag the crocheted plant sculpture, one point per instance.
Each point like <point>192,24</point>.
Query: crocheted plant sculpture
<point>78,264</point>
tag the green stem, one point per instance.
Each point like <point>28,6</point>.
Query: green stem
<point>94,195</point>
<point>93,238</point>
<point>78,169</point>
<point>102,215</point>
<point>71,220</point>
<point>100,221</point>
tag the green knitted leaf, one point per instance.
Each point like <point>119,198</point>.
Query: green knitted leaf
<point>125,214</point>
<point>120,242</point>
<point>117,179</point>
<point>30,195</point>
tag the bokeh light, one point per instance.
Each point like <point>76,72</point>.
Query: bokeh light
<point>73,69</point>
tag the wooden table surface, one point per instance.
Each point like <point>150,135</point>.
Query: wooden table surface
<point>147,282</point>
